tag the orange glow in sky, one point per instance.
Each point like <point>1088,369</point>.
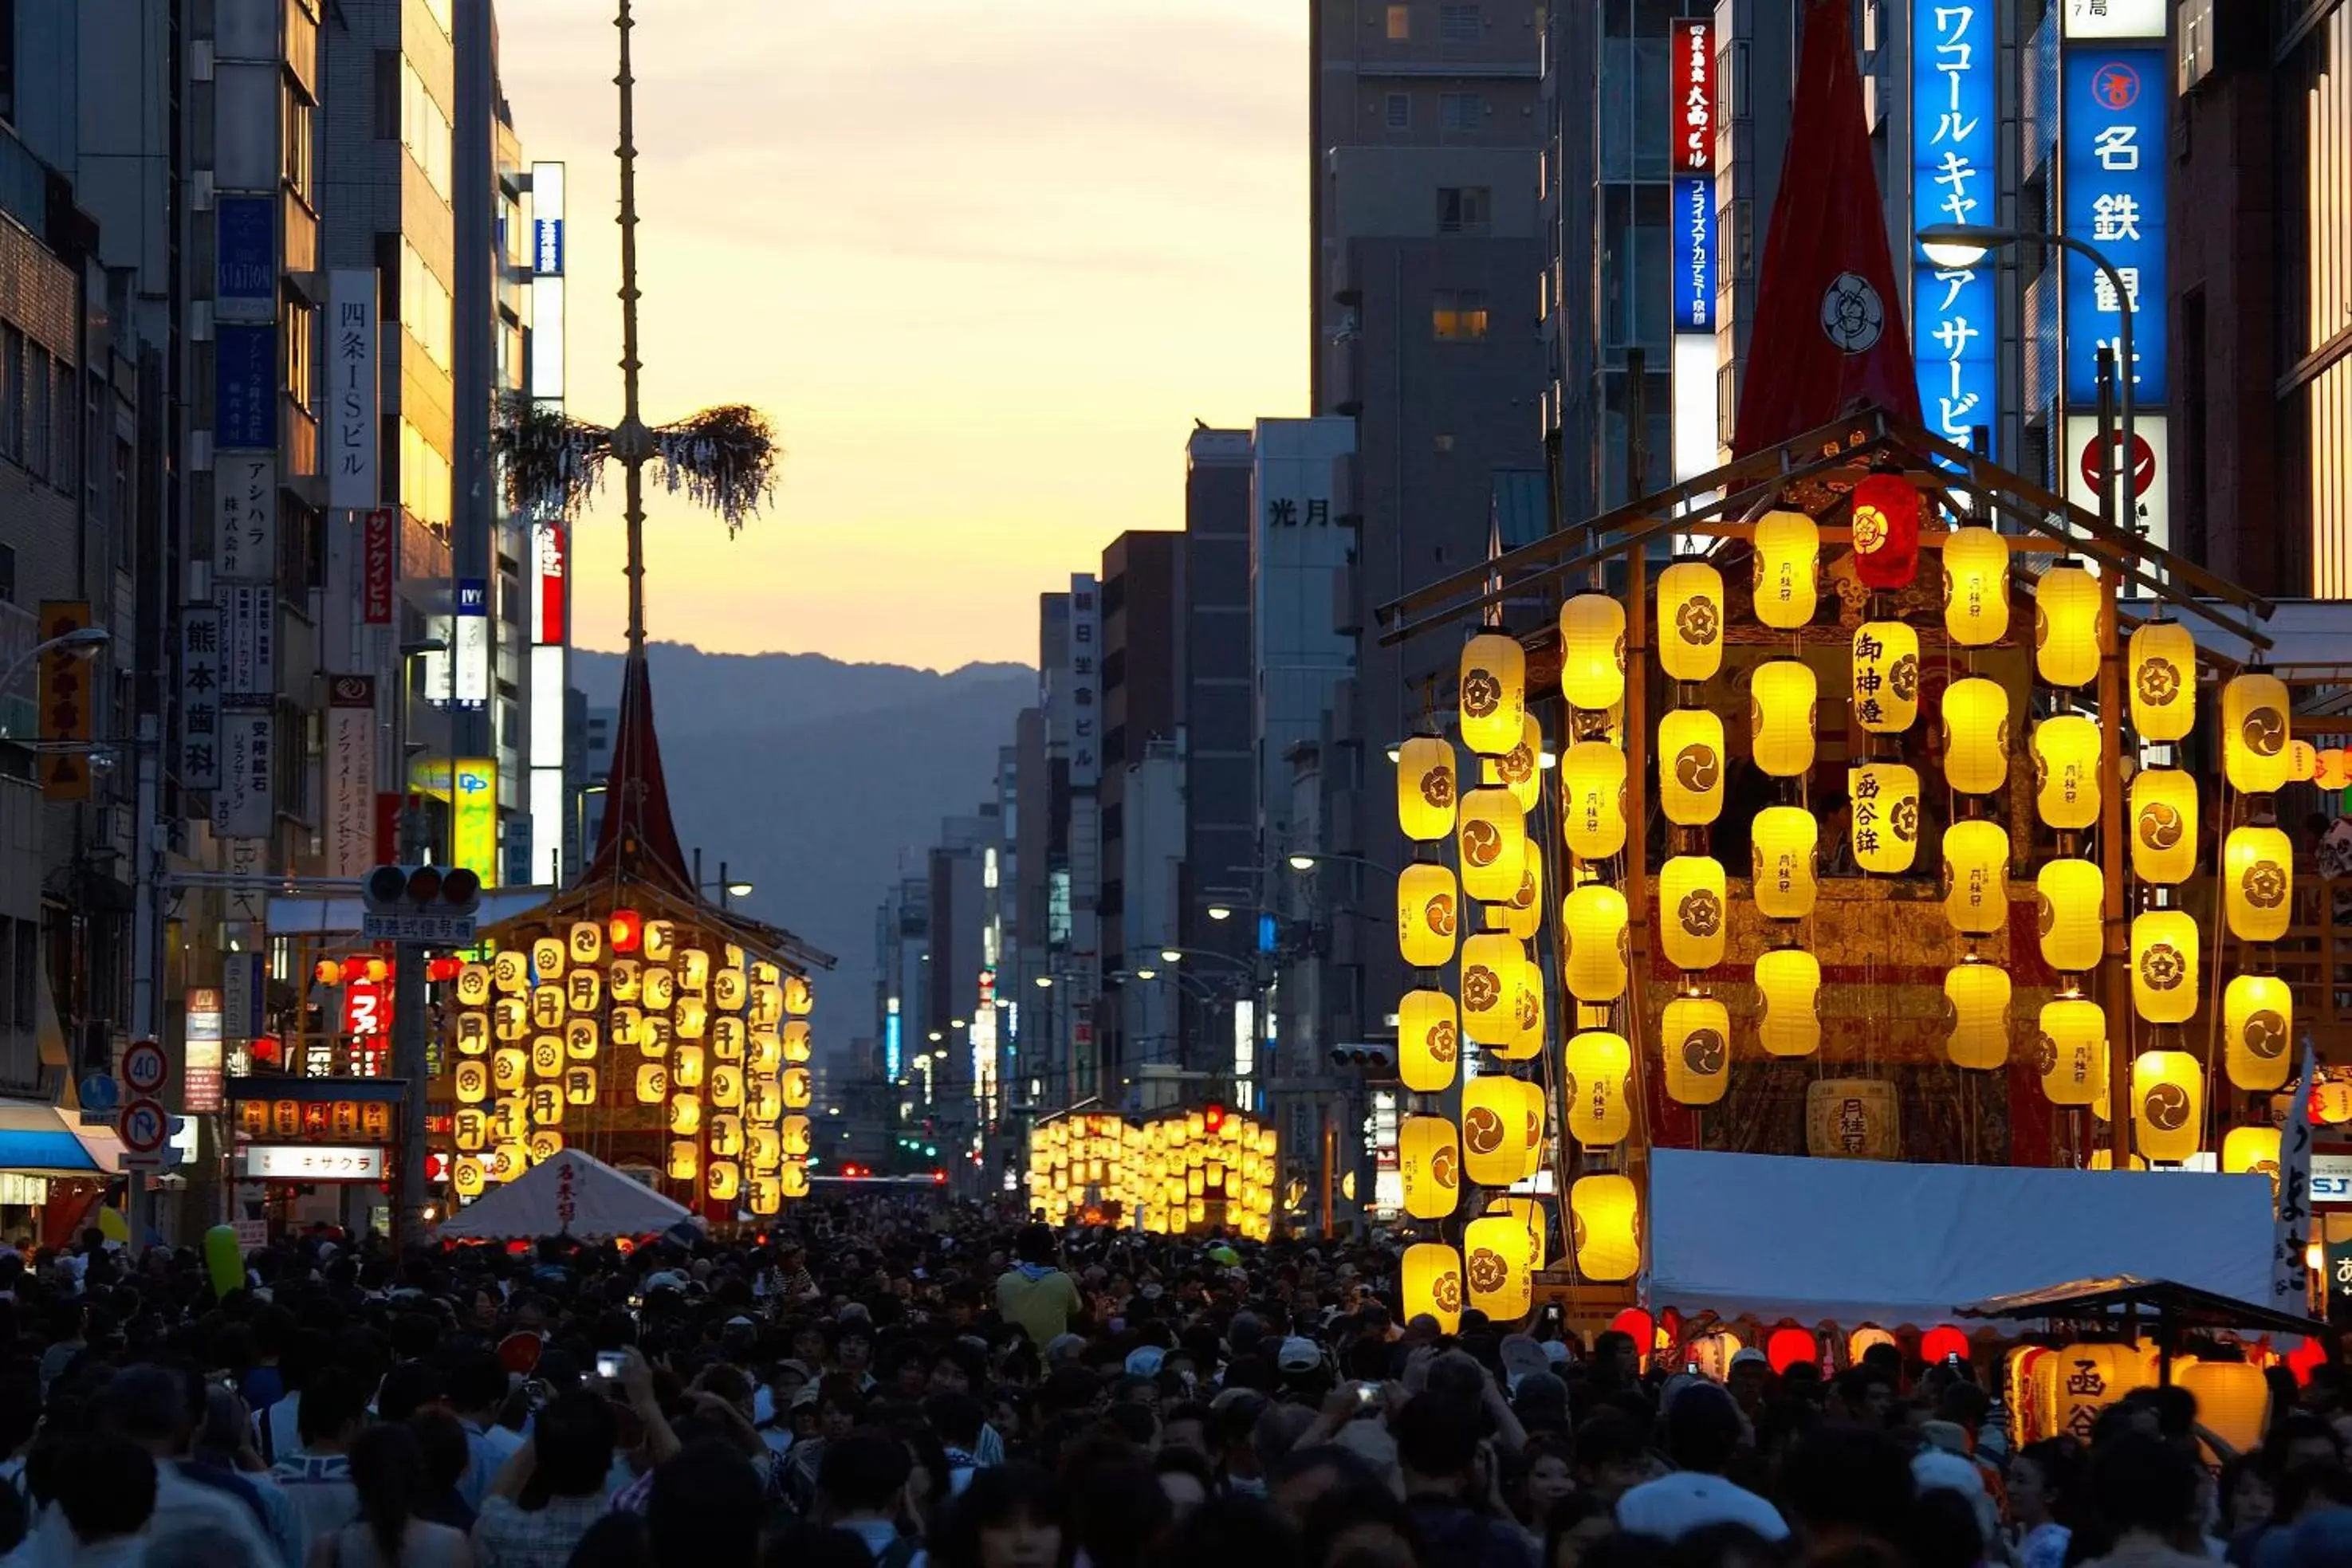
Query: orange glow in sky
<point>982,262</point>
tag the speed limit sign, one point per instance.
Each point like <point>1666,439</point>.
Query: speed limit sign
<point>143,1067</point>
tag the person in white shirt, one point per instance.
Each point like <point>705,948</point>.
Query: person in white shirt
<point>1703,1431</point>
<point>150,1406</point>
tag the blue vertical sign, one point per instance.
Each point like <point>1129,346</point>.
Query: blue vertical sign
<point>1693,251</point>
<point>245,384</point>
<point>2112,151</point>
<point>245,258</point>
<point>1954,175</point>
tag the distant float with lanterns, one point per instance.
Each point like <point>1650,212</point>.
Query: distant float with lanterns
<point>1903,814</point>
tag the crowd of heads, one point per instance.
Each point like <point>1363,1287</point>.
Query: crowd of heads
<point>893,1383</point>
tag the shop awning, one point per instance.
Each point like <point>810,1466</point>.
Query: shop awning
<point>1852,1241</point>
<point>39,1139</point>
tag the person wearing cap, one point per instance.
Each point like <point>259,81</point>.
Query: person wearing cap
<point>1035,1293</point>
<point>1703,1429</point>
<point>1751,1369</point>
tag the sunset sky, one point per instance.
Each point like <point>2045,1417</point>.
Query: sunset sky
<point>982,262</point>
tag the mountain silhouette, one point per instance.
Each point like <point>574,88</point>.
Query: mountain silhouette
<point>821,783</point>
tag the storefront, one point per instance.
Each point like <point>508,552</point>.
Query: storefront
<point>53,1172</point>
<point>313,1151</point>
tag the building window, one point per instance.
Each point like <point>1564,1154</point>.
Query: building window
<point>1400,24</point>
<point>12,394</point>
<point>1400,111</point>
<point>1459,23</point>
<point>66,416</point>
<point>1463,209</point>
<point>299,120</point>
<point>1458,316</point>
<point>8,60</point>
<point>7,574</point>
<point>425,312</point>
<point>439,11</point>
<point>301,355</point>
<point>39,412</point>
<point>1461,111</point>
<point>423,129</point>
<point>424,479</point>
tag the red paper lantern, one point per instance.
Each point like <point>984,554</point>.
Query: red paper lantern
<point>1939,1343</point>
<point>2311,1352</point>
<point>624,930</point>
<point>1641,1327</point>
<point>1886,531</point>
<point>1787,1347</point>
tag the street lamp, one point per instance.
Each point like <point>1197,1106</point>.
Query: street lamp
<point>82,641</point>
<point>1220,912</point>
<point>1308,862</point>
<point>1045,982</point>
<point>1956,246</point>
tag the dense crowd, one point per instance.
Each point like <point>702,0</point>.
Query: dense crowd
<point>884,1385</point>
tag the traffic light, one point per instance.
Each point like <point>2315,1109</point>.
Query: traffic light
<point>1374,1058</point>
<point>422,890</point>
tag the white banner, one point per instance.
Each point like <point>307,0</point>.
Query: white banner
<point>351,776</point>
<point>353,427</point>
<point>248,638</point>
<point>242,806</point>
<point>2290,1269</point>
<point>200,697</point>
<point>245,517</point>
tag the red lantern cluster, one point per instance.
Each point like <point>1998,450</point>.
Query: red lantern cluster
<point>1886,531</point>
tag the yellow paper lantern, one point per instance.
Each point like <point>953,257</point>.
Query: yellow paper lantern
<point>1784,847</point>
<point>1491,962</point>
<point>797,1088</point>
<point>2303,761</point>
<point>1976,877</point>
<point>2164,967</point>
<point>2233,1400</point>
<point>2069,615</point>
<point>800,996</point>
<point>1789,980</point>
<point>686,1113</point>
<point>724,1179</point>
<point>2168,1101</point>
<point>1593,651</point>
<point>2071,1051</point>
<point>1695,1033</point>
<point>1782,700</point>
<point>1690,621</point>
<point>583,990</point>
<point>725,1137</point>
<point>1884,806</point>
<point>465,1176</point>
<point>1592,799</point>
<point>1493,843</point>
<point>1604,1226</point>
<point>472,1081</point>
<point>1593,1092</point>
<point>622,980</point>
<point>473,986</point>
<point>2258,883</point>
<point>1976,735</point>
<point>510,1018</point>
<point>1428,915</point>
<point>2332,769</point>
<point>2066,771</point>
<point>2250,1151</point>
<point>1425,788</point>
<point>2255,734</point>
<point>2162,661</point>
<point>2086,1379</point>
<point>1593,918</point>
<point>547,955</point>
<point>580,1041</point>
<point>2070,896</point>
<point>1693,911</point>
<point>685,1159</point>
<point>1429,1041</point>
<point>1493,693</point>
<point>472,1034</point>
<point>1523,916</point>
<point>660,987</point>
<point>1429,1162</point>
<point>1499,1257</point>
<point>1851,1119</point>
<point>2257,1026</point>
<point>1886,677</point>
<point>580,1085</point>
<point>794,1045</point>
<point>547,1006</point>
<point>1787,568</point>
<point>1525,994</point>
<point>792,1137</point>
<point>660,939</point>
<point>726,1086</point>
<point>470,1128</point>
<point>687,1070</point>
<point>1976,587</point>
<point>1502,1129</point>
<point>1979,993</point>
<point>1690,765</point>
<point>2163,805</point>
<point>1431,1284</point>
<point>510,971</point>
<point>509,1068</point>
<point>793,1181</point>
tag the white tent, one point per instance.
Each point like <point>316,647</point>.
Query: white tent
<point>569,1195</point>
<point>1852,1241</point>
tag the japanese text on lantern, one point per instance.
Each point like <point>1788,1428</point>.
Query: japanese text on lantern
<point>1955,118</point>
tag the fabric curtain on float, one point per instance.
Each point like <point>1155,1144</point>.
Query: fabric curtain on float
<point>1855,1241</point>
<point>568,1194</point>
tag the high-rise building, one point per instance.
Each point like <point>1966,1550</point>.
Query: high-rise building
<point>1142,600</point>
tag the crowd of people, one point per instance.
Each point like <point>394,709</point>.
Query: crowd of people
<point>883,1384</point>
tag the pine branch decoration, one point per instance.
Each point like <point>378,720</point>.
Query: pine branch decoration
<point>724,459</point>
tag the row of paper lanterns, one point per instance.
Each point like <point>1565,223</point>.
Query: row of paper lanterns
<point>1166,1171</point>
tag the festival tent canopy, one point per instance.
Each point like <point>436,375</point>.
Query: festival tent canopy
<point>1854,1241</point>
<point>40,1139</point>
<point>569,1194</point>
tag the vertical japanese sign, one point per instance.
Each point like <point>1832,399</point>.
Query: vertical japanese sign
<point>474,816</point>
<point>1692,232</point>
<point>2290,1239</point>
<point>245,264</point>
<point>1954,167</point>
<point>472,629</point>
<point>242,806</point>
<point>350,775</point>
<point>2112,164</point>
<point>249,639</point>
<point>200,697</point>
<point>245,386</point>
<point>551,551</point>
<point>1085,683</point>
<point>201,1071</point>
<point>354,431</point>
<point>245,517</point>
<point>379,565</point>
<point>68,701</point>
